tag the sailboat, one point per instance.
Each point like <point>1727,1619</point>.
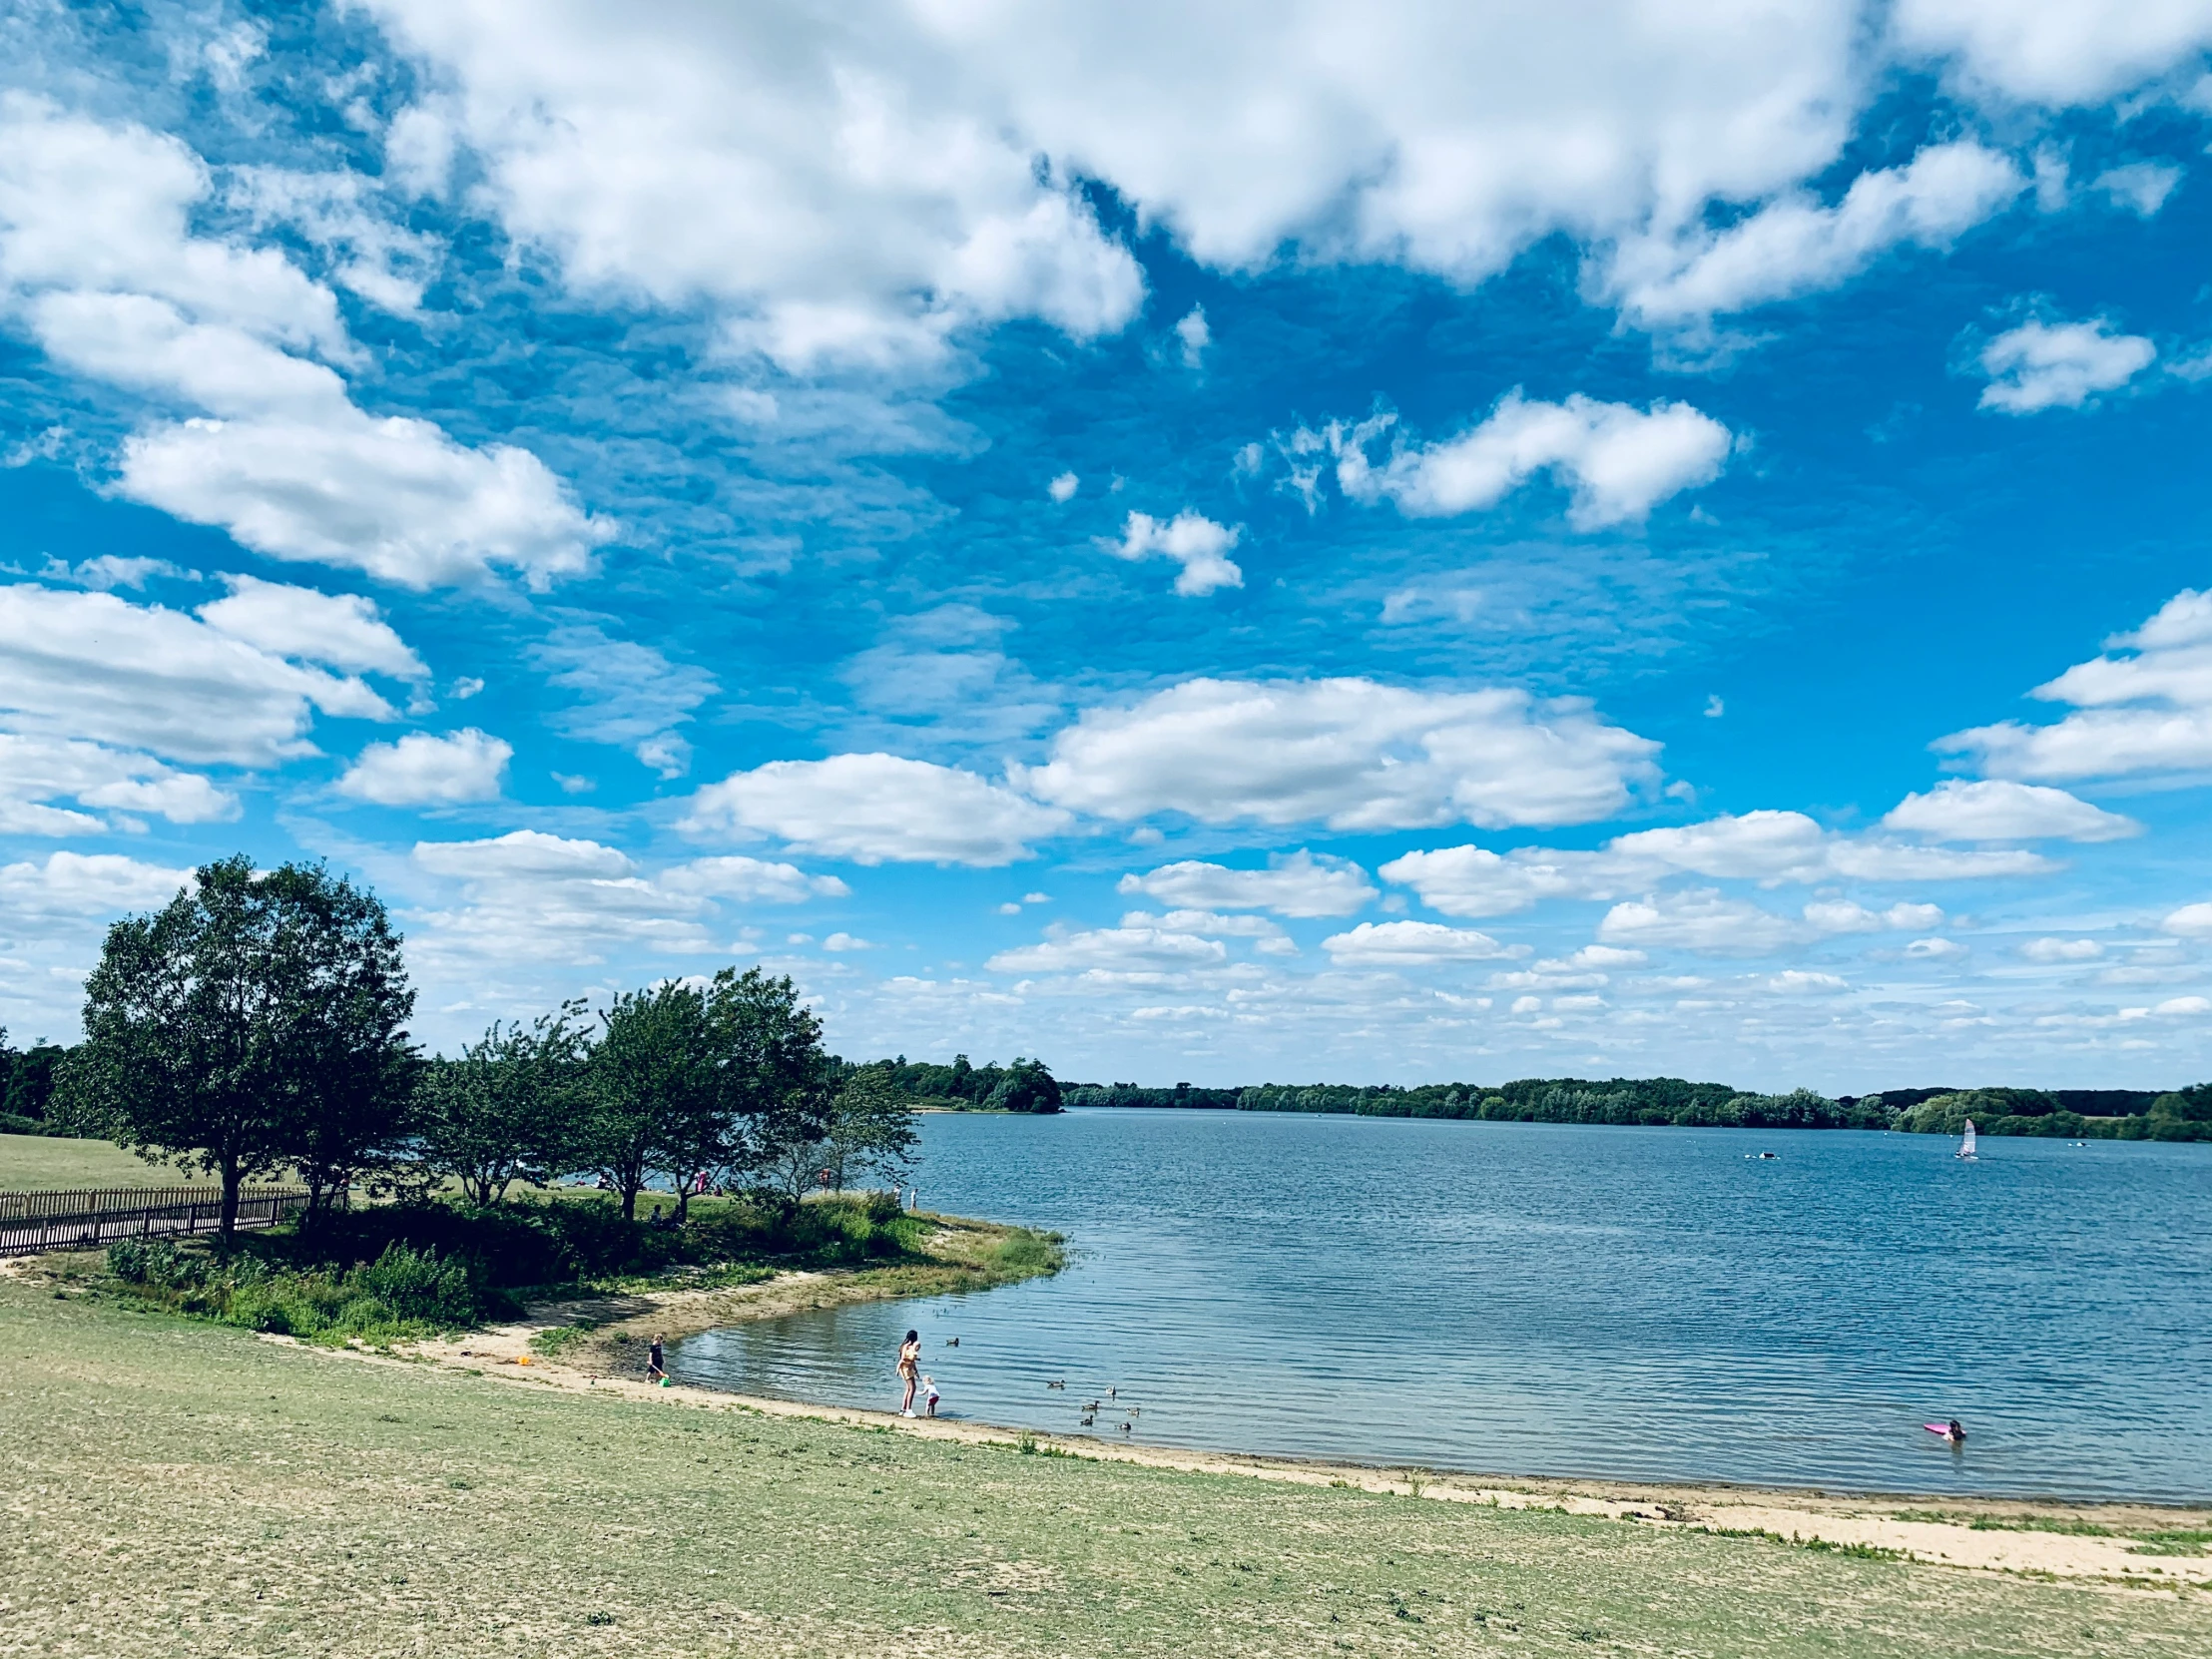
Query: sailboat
<point>1966,1147</point>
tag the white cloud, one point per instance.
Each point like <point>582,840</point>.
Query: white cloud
<point>72,885</point>
<point>1843,916</point>
<point>1805,982</point>
<point>340,630</point>
<point>93,666</point>
<point>1619,461</point>
<point>878,807</point>
<point>869,196</point>
<point>2062,950</point>
<point>394,497</point>
<point>1349,753</point>
<point>839,942</point>
<point>1194,542</point>
<point>1934,949</point>
<point>36,771</point>
<point>2147,711</point>
<point>1410,944</point>
<point>2139,186</point>
<point>2055,51</point>
<point>1798,245</point>
<point>98,263</point>
<point>2191,921</point>
<point>1192,331</point>
<point>1765,846</point>
<point>425,771</point>
<point>752,880</point>
<point>1700,920</point>
<point>1294,885</point>
<point>2062,365</point>
<point>1997,810</point>
<point>1122,950</point>
<point>527,897</point>
<point>1063,487</point>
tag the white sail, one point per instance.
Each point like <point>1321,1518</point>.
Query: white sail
<point>1966,1148</point>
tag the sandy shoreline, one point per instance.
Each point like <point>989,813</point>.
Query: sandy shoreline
<point>1975,1533</point>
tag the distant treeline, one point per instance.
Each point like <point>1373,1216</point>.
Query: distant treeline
<point>27,1087</point>
<point>1023,1086</point>
<point>2119,1114</point>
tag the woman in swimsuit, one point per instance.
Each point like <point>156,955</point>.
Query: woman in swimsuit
<point>910,1369</point>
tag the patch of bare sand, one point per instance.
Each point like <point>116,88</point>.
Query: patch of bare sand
<point>2005,1541</point>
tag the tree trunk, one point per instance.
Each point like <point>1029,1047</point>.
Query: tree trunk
<point>629,1199</point>
<point>229,1234</point>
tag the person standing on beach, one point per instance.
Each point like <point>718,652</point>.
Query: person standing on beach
<point>910,1369</point>
<point>654,1370</point>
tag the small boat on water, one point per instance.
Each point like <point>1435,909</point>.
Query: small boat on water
<point>1966,1147</point>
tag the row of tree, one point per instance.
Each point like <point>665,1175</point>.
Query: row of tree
<point>1024,1086</point>
<point>257,1023</point>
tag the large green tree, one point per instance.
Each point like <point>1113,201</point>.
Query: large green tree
<point>506,1109</point>
<point>255,1021</point>
<point>653,1097</point>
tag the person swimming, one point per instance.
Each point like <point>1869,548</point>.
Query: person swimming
<point>1956,1434</point>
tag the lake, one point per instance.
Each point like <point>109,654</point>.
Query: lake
<point>1533,1299</point>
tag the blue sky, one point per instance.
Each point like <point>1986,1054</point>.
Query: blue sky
<point>1216,543</point>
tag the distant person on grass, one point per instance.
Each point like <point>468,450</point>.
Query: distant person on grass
<point>910,1369</point>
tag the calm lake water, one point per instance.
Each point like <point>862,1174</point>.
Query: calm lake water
<point>1531,1299</point>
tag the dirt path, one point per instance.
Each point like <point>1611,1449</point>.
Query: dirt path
<point>1985,1534</point>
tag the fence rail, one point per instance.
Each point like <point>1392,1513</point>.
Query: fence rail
<point>88,1217</point>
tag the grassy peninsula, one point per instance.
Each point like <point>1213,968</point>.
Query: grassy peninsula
<point>178,1487</point>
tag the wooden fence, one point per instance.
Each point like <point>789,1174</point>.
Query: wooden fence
<point>87,1218</point>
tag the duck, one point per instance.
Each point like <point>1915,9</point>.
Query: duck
<point>1088,1421</point>
<point>1061,1383</point>
<point>952,1342</point>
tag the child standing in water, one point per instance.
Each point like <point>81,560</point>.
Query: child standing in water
<point>910,1369</point>
<point>929,1396</point>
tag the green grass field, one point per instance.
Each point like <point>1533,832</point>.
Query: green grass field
<point>177,1489</point>
<point>32,1163</point>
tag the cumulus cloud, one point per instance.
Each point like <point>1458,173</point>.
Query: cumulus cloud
<point>37,771</point>
<point>1063,487</point>
<point>1349,753</point>
<point>1701,920</point>
<point>2191,921</point>
<point>2139,186</point>
<point>1192,331</point>
<point>2055,52</point>
<point>1618,461</point>
<point>1193,541</point>
<point>1934,949</point>
<point>74,885</point>
<point>99,264</point>
<point>1798,245</point>
<point>394,497</point>
<point>95,667</point>
<point>2059,365</point>
<point>1294,885</point>
<point>1114,951</point>
<point>340,630</point>
<point>870,197</point>
<point>1995,810</point>
<point>875,809</point>
<point>1841,915</point>
<point>2062,950</point>
<point>536,897</point>
<point>2144,706</point>
<point>1410,944</point>
<point>1770,847</point>
<point>424,771</point>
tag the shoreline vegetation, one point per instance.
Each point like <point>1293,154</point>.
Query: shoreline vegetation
<point>391,1273</point>
<point>2067,1114</point>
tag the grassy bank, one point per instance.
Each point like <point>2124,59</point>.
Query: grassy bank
<point>385,1273</point>
<point>45,1163</point>
<point>179,1488</point>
